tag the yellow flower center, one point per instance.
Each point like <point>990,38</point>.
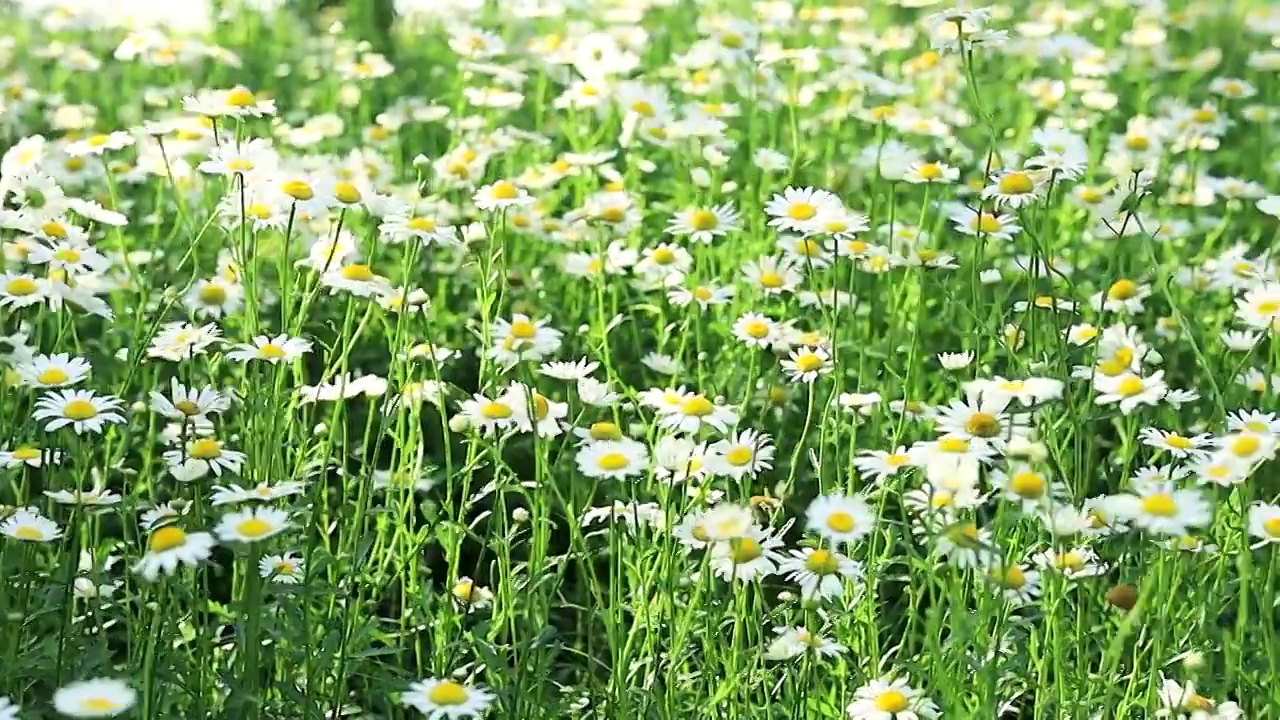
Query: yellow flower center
<point>801,211</point>
<point>25,452</point>
<point>271,351</point>
<point>822,562</point>
<point>28,532</point>
<point>1016,183</point>
<point>841,522</point>
<point>503,190</point>
<point>986,223</point>
<point>744,550</point>
<point>1122,290</point>
<point>1245,446</point>
<point>897,460</point>
<point>166,538</point>
<point>1269,307</point>
<point>808,362</point>
<point>664,256</point>
<point>771,280</point>
<point>1130,385</point>
<point>702,293</point>
<point>357,272</point>
<point>892,701</point>
<point>605,431</point>
<point>495,411</point>
<point>21,286</point>
<point>738,456</point>
<point>1028,484</point>
<point>1272,526</point>
<point>1069,562</point>
<point>1205,115</point>
<point>953,445</point>
<point>52,376</point>
<point>644,108</point>
<point>930,171</point>
<point>1011,577</point>
<point>187,407</point>
<point>79,410</point>
<point>612,461</point>
<point>1090,195</point>
<point>68,255</point>
<point>732,41</point>
<point>523,329</point>
<point>704,220</point>
<point>254,527</point>
<point>98,705</point>
<point>213,294</point>
<point>347,193</point>
<point>1159,504</point>
<point>298,190</point>
<point>53,228</point>
<point>205,449</point>
<point>1175,440</point>
<point>447,693</point>
<point>1137,142</point>
<point>982,424</point>
<point>240,98</point>
<point>258,210</point>
<point>1198,702</point>
<point>422,224</point>
<point>697,406</point>
<point>540,406</point>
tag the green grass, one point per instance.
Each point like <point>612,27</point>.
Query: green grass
<point>632,558</point>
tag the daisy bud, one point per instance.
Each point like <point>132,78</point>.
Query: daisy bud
<point>320,429</point>
<point>421,160</point>
<point>1123,597</point>
<point>459,423</point>
<point>1193,660</point>
<point>520,515</point>
<point>138,406</point>
<point>728,187</point>
<point>700,177</point>
<point>646,166</point>
<point>989,277</point>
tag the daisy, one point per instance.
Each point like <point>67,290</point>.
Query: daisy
<point>888,699</point>
<point>1254,420</point>
<point>747,454</point>
<point>263,492</point>
<point>1264,523</point>
<point>1179,446</point>
<point>983,415</point>
<point>821,574</point>
<point>29,455</point>
<point>252,524</point>
<point>703,225</point>
<point>1161,508</point>
<point>189,404</point>
<point>756,329</point>
<point>1122,296</point>
<point>931,172</point>
<point>1078,562</point>
<point>275,350</point>
<point>22,289</point>
<point>101,697</point>
<point>523,338</point>
<point>804,365</point>
<point>236,102</point>
<point>358,279</point>
<point>96,496</point>
<point>46,371</point>
<point>574,371</point>
<point>439,699</point>
<point>99,144</point>
<point>751,556</point>
<point>28,525</point>
<point>1248,447</point>
<point>205,455</point>
<point>985,224</point>
<point>1028,487</point>
<point>964,545</point>
<point>1019,585</point>
<point>170,546</point>
<point>795,208</point>
<point>286,569</point>
<point>793,642</point>
<point>878,465</point>
<point>180,341</point>
<point>83,410</point>
<point>1012,188</point>
<point>725,521</point>
<point>840,518</point>
<point>1184,703</point>
<point>771,275</point>
<point>501,195</point>
<point>694,412</point>
<point>1130,390</point>
<point>614,459</point>
<point>704,295</point>
<point>489,415</point>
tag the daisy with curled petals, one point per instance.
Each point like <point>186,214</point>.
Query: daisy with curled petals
<point>747,454</point>
<point>170,546</point>
<point>275,350</point>
<point>189,404</point>
<point>890,699</point>
<point>704,224</point>
<point>696,411</point>
<point>252,524</point>
<point>48,371</point>
<point>820,573</point>
<point>795,208</point>
<point>82,410</point>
